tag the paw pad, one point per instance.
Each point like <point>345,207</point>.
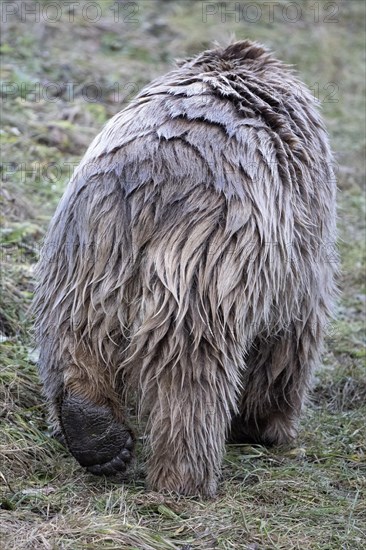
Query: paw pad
<point>94,437</point>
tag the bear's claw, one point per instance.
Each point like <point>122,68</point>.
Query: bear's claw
<point>94,437</point>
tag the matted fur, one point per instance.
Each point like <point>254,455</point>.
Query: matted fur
<point>188,261</point>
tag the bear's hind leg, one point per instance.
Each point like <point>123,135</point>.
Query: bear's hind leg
<point>89,412</point>
<point>188,424</point>
<point>275,386</point>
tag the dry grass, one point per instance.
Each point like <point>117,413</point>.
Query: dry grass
<point>309,497</point>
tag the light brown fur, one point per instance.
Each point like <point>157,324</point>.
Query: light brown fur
<point>187,262</point>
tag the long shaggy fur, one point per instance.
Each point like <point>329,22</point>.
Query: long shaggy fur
<point>187,262</point>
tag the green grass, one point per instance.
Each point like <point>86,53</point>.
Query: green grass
<point>311,496</point>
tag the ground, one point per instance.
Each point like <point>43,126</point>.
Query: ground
<point>66,68</point>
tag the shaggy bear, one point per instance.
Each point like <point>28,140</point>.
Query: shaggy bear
<point>187,264</point>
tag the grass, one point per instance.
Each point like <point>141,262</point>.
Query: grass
<point>311,496</point>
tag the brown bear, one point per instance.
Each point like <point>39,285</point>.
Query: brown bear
<point>187,263</point>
